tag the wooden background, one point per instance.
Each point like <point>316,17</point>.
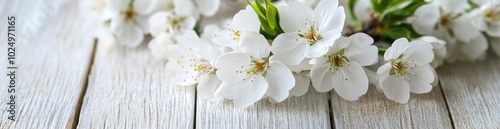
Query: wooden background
<point>66,80</point>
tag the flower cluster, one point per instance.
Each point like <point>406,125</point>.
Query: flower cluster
<point>277,49</point>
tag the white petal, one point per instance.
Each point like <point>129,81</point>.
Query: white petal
<point>362,10</point>
<point>321,78</point>
<point>360,40</point>
<point>158,23</point>
<point>426,17</point>
<point>143,22</point>
<point>209,31</point>
<point>289,48</point>
<point>397,48</point>
<point>280,81</point>
<point>293,17</point>
<point>144,7</point>
<point>365,56</point>
<point>158,46</point>
<point>421,79</point>
<point>453,6</point>
<point>208,7</point>
<point>464,30</point>
<point>329,18</point>
<point>186,8</point>
<point>494,30</point>
<point>246,93</point>
<point>475,48</point>
<point>207,86</point>
<point>397,89</point>
<point>419,53</point>
<point>303,65</point>
<point>226,38</point>
<point>129,34</point>
<point>317,50</point>
<point>350,82</point>
<point>208,50</point>
<point>232,67</point>
<point>255,44</point>
<point>372,76</point>
<point>117,5</point>
<point>301,85</point>
<point>246,20</point>
<point>383,72</point>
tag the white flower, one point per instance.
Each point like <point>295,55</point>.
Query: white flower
<point>439,49</point>
<point>250,75</point>
<point>487,18</point>
<point>439,18</point>
<point>474,50</point>
<point>129,22</point>
<point>243,22</point>
<point>341,68</point>
<point>193,63</point>
<point>171,23</point>
<point>192,7</point>
<point>406,70</point>
<point>308,33</point>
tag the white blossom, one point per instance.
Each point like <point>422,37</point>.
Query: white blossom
<point>407,70</point>
<point>439,49</point>
<point>250,75</point>
<point>243,22</point>
<point>341,68</point>
<point>129,20</point>
<point>308,33</point>
<point>487,18</point>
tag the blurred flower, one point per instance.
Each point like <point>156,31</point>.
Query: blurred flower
<point>487,18</point>
<point>129,22</point>
<point>439,49</point>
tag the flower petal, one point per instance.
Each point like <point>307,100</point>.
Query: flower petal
<point>397,48</point>
<point>158,23</point>
<point>421,79</point>
<point>289,48</point>
<point>208,7</point>
<point>464,30</point>
<point>255,44</point>
<point>317,50</point>
<point>329,18</point>
<point>159,46</point>
<point>280,81</point>
<point>294,17</point>
<point>419,53</point>
<point>350,82</point>
<point>426,17</point>
<point>475,48</point>
<point>226,38</point>
<point>397,89</point>
<point>207,86</point>
<point>365,56</point>
<point>246,20</point>
<point>246,93</point>
<point>321,77</point>
<point>144,7</point>
<point>129,34</point>
<point>302,83</point>
<point>232,67</point>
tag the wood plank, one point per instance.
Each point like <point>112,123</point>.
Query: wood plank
<point>52,66</point>
<point>130,89</point>
<point>374,110</point>
<point>310,111</point>
<point>472,93</point>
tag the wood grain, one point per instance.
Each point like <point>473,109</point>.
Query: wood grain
<point>310,111</point>
<point>52,66</point>
<point>472,91</point>
<point>130,89</point>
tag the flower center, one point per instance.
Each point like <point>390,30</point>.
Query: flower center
<point>259,67</point>
<point>237,35</point>
<point>311,36</point>
<point>175,21</point>
<point>203,66</point>
<point>129,14</point>
<point>446,20</point>
<point>399,67</point>
<point>491,15</point>
<point>337,60</point>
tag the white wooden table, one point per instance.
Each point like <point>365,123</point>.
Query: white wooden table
<point>66,80</point>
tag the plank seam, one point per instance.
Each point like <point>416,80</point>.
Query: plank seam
<point>84,87</point>
<point>332,119</point>
<point>195,103</point>
<point>447,105</point>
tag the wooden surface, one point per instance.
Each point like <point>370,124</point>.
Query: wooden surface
<point>65,81</point>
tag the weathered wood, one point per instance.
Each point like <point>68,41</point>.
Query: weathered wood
<point>374,110</point>
<point>130,89</point>
<point>472,91</point>
<point>52,65</point>
<point>310,111</point>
